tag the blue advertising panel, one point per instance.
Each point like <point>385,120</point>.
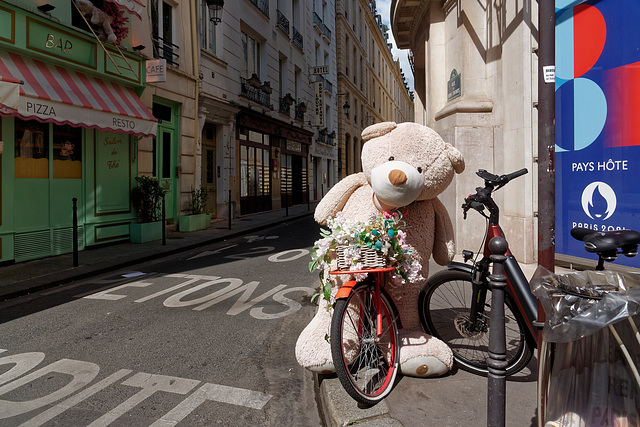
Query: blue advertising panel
<point>597,120</point>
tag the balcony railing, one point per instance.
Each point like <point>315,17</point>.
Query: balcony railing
<point>317,21</point>
<point>254,94</point>
<point>326,32</point>
<point>298,40</point>
<point>284,107</point>
<point>166,50</point>
<point>263,5</point>
<point>283,22</point>
<point>326,139</point>
<point>299,113</point>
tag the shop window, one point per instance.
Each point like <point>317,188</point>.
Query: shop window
<point>31,149</point>
<point>67,152</point>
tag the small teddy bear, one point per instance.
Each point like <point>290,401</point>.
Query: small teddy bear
<point>97,17</point>
<point>405,166</point>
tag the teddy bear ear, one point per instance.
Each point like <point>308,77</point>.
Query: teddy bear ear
<point>377,130</point>
<point>455,156</point>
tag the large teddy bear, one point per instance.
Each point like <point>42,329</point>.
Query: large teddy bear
<point>97,17</point>
<point>404,166</point>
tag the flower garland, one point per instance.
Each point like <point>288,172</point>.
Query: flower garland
<point>383,232</point>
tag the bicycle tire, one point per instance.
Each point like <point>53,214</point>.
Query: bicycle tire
<point>365,364</point>
<point>444,304</point>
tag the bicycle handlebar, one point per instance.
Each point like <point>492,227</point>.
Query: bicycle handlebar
<point>482,197</point>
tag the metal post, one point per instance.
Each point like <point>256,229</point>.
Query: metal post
<point>164,222</point>
<point>286,198</point>
<point>75,231</point>
<point>229,209</point>
<point>497,361</point>
<point>308,196</point>
<point>546,136</point>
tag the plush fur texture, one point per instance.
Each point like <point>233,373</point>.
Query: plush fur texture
<point>429,232</point>
<point>97,17</point>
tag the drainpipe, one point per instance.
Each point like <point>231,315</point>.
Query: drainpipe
<point>196,70</point>
<point>546,136</point>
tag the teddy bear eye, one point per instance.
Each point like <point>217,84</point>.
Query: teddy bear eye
<point>391,158</point>
<point>419,169</point>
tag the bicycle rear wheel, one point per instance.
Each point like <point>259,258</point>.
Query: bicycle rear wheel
<point>445,306</point>
<point>366,364</point>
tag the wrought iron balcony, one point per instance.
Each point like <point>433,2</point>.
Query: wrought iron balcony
<point>284,107</point>
<point>317,21</point>
<point>326,32</point>
<point>263,5</point>
<point>166,50</point>
<point>254,94</point>
<point>283,22</point>
<point>299,112</point>
<point>298,40</point>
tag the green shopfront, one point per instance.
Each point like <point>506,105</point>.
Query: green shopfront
<point>70,121</point>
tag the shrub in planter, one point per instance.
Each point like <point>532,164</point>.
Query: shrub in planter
<point>198,220</point>
<point>147,201</point>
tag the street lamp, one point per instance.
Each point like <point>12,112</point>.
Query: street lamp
<point>346,105</point>
<point>215,6</point>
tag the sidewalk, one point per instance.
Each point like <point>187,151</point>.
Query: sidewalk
<point>458,398</point>
<point>26,277</point>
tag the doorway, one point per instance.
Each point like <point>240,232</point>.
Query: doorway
<point>208,168</point>
<point>165,154</point>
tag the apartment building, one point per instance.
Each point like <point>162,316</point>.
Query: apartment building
<point>265,122</point>
<point>371,85</point>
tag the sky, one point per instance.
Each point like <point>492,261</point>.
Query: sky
<point>383,7</point>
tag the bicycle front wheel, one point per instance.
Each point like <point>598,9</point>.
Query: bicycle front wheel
<point>445,307</point>
<point>366,363</point>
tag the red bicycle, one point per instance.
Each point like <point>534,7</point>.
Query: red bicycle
<point>364,337</point>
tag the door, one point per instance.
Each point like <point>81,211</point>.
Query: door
<point>209,167</point>
<point>165,155</point>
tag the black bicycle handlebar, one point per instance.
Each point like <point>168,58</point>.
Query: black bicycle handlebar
<point>482,197</point>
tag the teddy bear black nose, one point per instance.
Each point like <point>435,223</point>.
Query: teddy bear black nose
<point>397,177</point>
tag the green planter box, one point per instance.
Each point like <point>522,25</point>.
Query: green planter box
<point>142,232</point>
<point>194,222</point>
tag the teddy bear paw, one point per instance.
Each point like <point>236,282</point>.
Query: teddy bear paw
<point>422,367</point>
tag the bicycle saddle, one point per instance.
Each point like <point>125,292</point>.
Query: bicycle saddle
<point>608,242</point>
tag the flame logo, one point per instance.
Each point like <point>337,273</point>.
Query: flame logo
<point>599,200</point>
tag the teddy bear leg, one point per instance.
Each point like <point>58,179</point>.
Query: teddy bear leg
<point>422,355</point>
<point>313,351</point>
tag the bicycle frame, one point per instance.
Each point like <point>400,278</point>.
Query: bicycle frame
<point>377,276</point>
<point>517,284</point>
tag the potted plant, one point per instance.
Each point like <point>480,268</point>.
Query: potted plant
<point>198,219</point>
<point>302,107</point>
<point>146,198</point>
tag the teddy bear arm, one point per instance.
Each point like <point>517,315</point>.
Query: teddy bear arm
<point>335,199</point>
<point>443,243</point>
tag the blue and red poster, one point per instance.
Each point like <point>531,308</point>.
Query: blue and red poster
<point>597,119</point>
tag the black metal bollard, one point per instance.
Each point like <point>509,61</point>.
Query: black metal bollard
<point>164,222</point>
<point>75,231</point>
<point>308,197</point>
<point>229,209</point>
<point>497,361</point>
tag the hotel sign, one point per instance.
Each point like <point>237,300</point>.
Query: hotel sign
<point>319,101</point>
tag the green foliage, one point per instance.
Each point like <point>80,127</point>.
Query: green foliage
<point>199,198</point>
<point>147,199</point>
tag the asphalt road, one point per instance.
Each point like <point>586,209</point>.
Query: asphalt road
<point>204,338</point>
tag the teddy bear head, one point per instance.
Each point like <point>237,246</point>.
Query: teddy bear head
<point>407,162</point>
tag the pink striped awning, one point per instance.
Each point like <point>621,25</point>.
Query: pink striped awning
<point>51,93</point>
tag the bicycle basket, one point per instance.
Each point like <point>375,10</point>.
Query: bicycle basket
<point>369,257</point>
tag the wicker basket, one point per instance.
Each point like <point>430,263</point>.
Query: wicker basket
<point>370,258</point>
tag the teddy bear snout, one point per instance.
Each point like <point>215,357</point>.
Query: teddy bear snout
<point>397,177</point>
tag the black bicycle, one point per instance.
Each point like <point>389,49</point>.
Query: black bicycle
<point>455,304</point>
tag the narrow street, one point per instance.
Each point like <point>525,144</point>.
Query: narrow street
<point>203,338</point>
